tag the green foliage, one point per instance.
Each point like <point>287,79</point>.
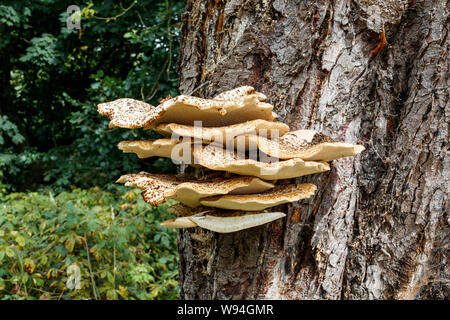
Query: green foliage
<point>56,77</point>
<point>53,141</point>
<point>113,237</point>
<point>9,130</point>
<point>13,164</point>
<point>42,52</point>
<point>9,16</point>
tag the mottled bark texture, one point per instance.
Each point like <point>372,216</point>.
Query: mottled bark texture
<point>378,226</point>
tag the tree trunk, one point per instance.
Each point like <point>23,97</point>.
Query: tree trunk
<point>378,225</point>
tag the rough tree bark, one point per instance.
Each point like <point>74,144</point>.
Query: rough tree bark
<point>378,226</point>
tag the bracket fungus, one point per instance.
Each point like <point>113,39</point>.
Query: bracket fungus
<point>224,133</point>
<point>179,223</point>
<point>223,222</point>
<point>235,135</point>
<point>228,108</point>
<point>230,223</point>
<point>304,144</point>
<point>149,148</point>
<point>156,188</point>
<point>216,158</point>
<point>255,202</point>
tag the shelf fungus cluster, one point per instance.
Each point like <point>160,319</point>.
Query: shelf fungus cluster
<point>246,154</point>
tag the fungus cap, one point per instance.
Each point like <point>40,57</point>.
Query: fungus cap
<point>224,133</point>
<point>130,113</point>
<point>223,222</point>
<point>156,188</point>
<point>179,223</point>
<point>187,110</point>
<point>127,113</point>
<point>233,223</point>
<point>217,158</point>
<point>255,202</point>
<point>149,148</point>
<point>304,144</point>
<point>180,151</point>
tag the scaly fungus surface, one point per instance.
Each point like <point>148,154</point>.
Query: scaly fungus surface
<point>235,135</point>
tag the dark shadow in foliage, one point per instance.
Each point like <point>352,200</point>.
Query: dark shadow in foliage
<point>52,79</point>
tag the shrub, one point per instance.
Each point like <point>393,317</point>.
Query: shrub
<point>112,237</point>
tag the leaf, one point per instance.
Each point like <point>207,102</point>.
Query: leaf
<point>20,240</point>
<point>24,278</point>
<point>123,291</point>
<point>165,242</point>
<point>38,282</point>
<point>92,225</point>
<point>70,244</point>
<point>154,293</point>
<point>9,252</point>
<point>110,277</point>
<point>111,294</point>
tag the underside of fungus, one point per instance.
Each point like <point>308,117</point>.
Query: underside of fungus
<point>149,148</point>
<point>225,133</point>
<point>227,224</point>
<point>303,144</point>
<point>234,134</point>
<point>224,223</point>
<point>215,158</point>
<point>157,188</point>
<point>180,151</point>
<point>179,223</point>
<point>256,202</point>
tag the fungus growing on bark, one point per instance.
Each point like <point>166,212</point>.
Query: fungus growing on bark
<point>306,145</point>
<point>149,148</point>
<point>256,202</point>
<point>230,108</point>
<point>127,113</point>
<point>179,150</point>
<point>233,223</point>
<point>179,223</point>
<point>216,158</point>
<point>156,188</point>
<point>224,222</point>
<point>224,133</point>
<point>260,149</point>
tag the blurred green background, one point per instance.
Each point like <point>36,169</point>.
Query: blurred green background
<point>59,206</point>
